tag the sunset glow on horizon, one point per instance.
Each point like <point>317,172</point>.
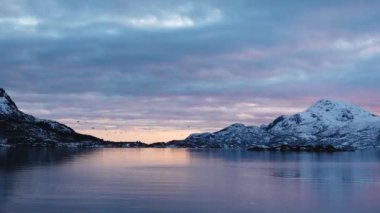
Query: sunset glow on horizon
<point>156,71</point>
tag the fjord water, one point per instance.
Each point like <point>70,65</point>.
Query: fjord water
<point>180,180</point>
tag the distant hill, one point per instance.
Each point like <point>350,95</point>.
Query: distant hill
<point>327,125</point>
<point>18,128</point>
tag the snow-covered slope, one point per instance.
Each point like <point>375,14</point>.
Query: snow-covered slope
<point>326,123</point>
<point>234,136</point>
<point>324,117</point>
<point>18,127</point>
<point>7,106</point>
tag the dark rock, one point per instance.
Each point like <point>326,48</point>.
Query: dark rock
<point>275,122</point>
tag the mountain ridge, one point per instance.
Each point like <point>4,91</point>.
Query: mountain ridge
<point>17,127</point>
<point>327,125</point>
<point>7,105</point>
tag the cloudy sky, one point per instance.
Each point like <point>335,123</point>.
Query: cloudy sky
<point>156,70</point>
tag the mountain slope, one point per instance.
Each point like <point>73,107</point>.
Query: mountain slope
<point>328,122</point>
<point>327,125</point>
<point>234,136</point>
<point>17,127</point>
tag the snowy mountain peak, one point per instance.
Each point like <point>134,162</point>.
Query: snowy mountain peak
<point>236,126</point>
<point>338,110</point>
<point>329,121</point>
<point>6,103</point>
<point>325,126</point>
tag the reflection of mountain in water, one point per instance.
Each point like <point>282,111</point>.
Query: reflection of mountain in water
<point>13,160</point>
<point>114,180</point>
<point>323,168</point>
<point>247,156</point>
<point>17,158</point>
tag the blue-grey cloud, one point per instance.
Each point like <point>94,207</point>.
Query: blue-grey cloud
<point>170,63</point>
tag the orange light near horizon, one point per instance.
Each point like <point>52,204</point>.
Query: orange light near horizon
<point>147,136</point>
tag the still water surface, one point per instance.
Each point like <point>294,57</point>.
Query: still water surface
<point>181,180</point>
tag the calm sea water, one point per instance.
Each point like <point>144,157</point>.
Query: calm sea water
<point>180,180</point>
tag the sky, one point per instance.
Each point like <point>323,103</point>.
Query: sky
<point>157,70</point>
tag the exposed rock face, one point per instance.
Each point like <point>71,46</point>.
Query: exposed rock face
<point>6,103</point>
<point>326,124</point>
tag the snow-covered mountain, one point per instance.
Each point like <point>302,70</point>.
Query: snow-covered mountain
<point>7,106</point>
<point>326,124</point>
<point>17,127</point>
<point>234,136</point>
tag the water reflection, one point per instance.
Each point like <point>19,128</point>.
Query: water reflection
<point>18,158</point>
<point>172,180</point>
<point>13,160</point>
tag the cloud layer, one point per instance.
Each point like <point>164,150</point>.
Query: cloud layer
<point>148,67</point>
